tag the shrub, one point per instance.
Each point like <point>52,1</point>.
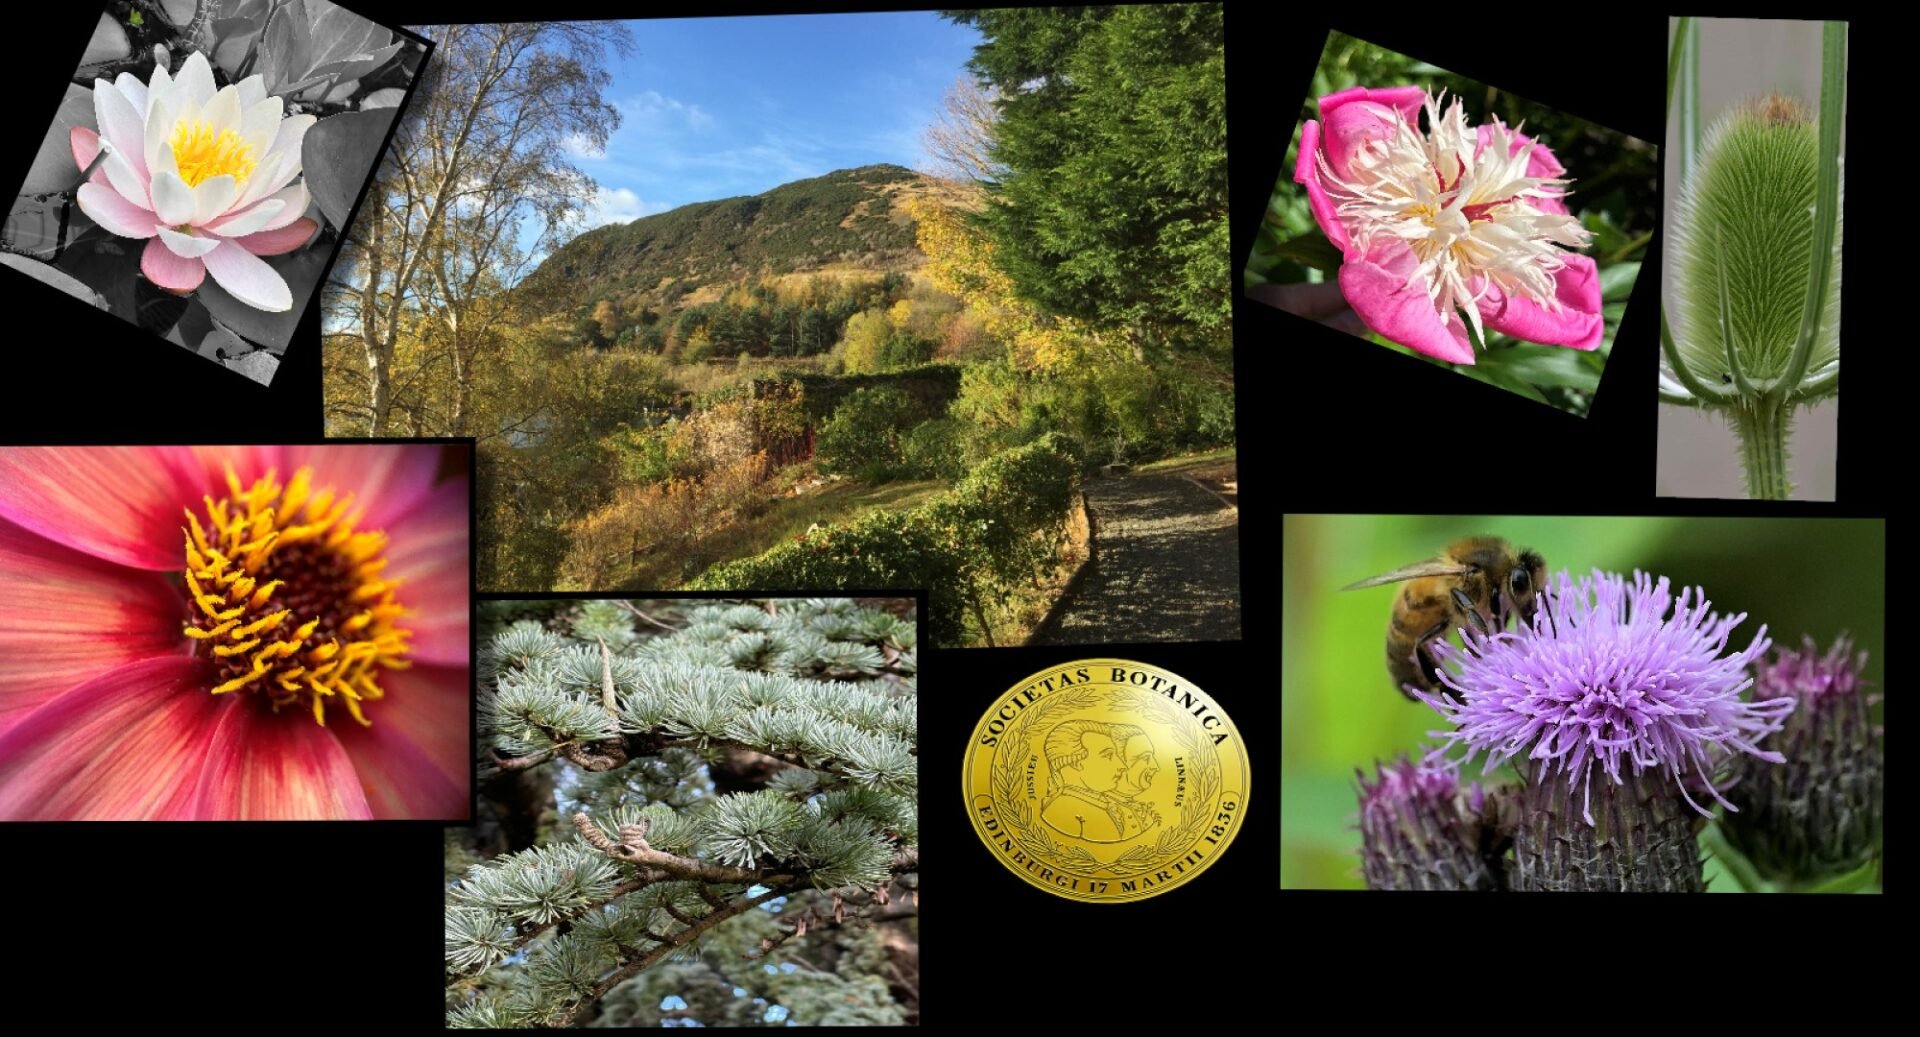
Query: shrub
<point>999,527</point>
<point>863,436</point>
<point>933,451</point>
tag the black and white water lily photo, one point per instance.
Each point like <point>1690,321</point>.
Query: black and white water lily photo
<point>197,173</point>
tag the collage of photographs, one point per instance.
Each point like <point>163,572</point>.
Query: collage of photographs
<point>627,411</point>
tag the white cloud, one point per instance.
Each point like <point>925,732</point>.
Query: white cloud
<point>580,147</point>
<point>619,205</point>
<point>653,108</point>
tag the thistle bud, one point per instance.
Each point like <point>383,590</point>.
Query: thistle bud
<point>1420,830</point>
<point>1819,813</point>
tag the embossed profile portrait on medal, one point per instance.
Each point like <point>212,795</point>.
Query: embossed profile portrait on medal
<point>1106,780</point>
<point>1096,775</point>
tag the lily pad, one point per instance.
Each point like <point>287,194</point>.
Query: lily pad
<point>179,12</point>
<point>34,226</point>
<point>109,43</point>
<point>49,274</point>
<point>53,168</point>
<point>338,154</point>
<point>258,365</point>
<point>390,97</point>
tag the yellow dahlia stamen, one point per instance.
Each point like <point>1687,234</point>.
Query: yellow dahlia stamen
<point>200,153</point>
<point>289,598</point>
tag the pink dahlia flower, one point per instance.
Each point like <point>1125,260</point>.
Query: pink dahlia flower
<point>205,175</point>
<point>232,633</point>
<point>1446,220</point>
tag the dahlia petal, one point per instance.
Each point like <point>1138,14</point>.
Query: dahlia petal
<point>172,198</point>
<point>195,81</point>
<point>389,480</point>
<point>253,218</point>
<point>121,125</point>
<point>187,246</point>
<point>1407,100</point>
<point>268,766</point>
<point>1351,127</point>
<point>1379,288</point>
<point>1306,171</point>
<point>248,278</point>
<point>104,206</point>
<point>120,173</point>
<point>413,761</point>
<point>123,504</point>
<point>280,240</point>
<point>171,270</point>
<point>259,122</point>
<point>66,617</point>
<point>127,745</point>
<point>427,551</point>
<point>135,92</point>
<point>212,197</point>
<point>1578,324</point>
<point>86,147</point>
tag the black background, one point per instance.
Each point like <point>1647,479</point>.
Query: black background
<point>260,926</point>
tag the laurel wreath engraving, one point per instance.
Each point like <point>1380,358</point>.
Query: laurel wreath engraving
<point>1033,838</point>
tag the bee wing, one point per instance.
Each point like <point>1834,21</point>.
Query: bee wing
<point>1430,567</point>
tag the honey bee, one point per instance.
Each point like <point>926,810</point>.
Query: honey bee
<point>1477,581</point>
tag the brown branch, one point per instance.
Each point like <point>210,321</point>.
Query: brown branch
<point>650,619</point>
<point>678,867</point>
<point>678,940</point>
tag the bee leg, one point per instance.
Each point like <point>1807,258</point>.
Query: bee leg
<point>1465,604</point>
<point>1424,659</point>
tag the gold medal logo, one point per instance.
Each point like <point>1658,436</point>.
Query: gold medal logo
<point>1106,780</point>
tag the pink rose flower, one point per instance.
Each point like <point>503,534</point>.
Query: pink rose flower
<point>1447,220</point>
<point>231,633</point>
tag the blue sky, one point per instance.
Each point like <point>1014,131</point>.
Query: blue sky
<point>716,107</point>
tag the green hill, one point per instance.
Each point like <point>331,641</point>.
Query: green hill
<point>846,218</point>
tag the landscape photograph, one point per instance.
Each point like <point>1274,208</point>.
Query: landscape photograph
<point>898,299</point>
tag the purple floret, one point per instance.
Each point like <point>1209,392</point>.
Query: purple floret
<point>1609,674</point>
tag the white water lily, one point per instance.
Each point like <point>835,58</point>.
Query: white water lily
<point>206,176</point>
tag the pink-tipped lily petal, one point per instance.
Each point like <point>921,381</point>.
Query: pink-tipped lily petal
<point>429,555</point>
<point>1577,324</point>
<point>187,246</point>
<point>267,766</point>
<point>127,183</point>
<point>1382,290</point>
<point>66,617</point>
<point>279,241</point>
<point>120,125</point>
<point>122,504</point>
<point>1306,172</point>
<point>167,268</point>
<point>135,92</point>
<point>248,278</point>
<point>127,745</point>
<point>86,146</point>
<point>247,221</point>
<point>413,761</point>
<point>104,206</point>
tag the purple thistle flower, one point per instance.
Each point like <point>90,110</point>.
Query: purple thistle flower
<point>1609,675</point>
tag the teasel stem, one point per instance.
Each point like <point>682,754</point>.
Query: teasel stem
<point>1762,424</point>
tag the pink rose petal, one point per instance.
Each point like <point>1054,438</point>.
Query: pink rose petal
<point>170,270</point>
<point>1578,324</point>
<point>1377,286</point>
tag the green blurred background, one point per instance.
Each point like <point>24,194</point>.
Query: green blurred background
<point>1615,195</point>
<point>1340,711</point>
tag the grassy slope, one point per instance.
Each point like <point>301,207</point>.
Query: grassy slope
<point>785,518</point>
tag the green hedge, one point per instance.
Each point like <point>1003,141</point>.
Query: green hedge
<point>997,528</point>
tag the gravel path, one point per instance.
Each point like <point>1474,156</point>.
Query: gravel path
<point>1166,566</point>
